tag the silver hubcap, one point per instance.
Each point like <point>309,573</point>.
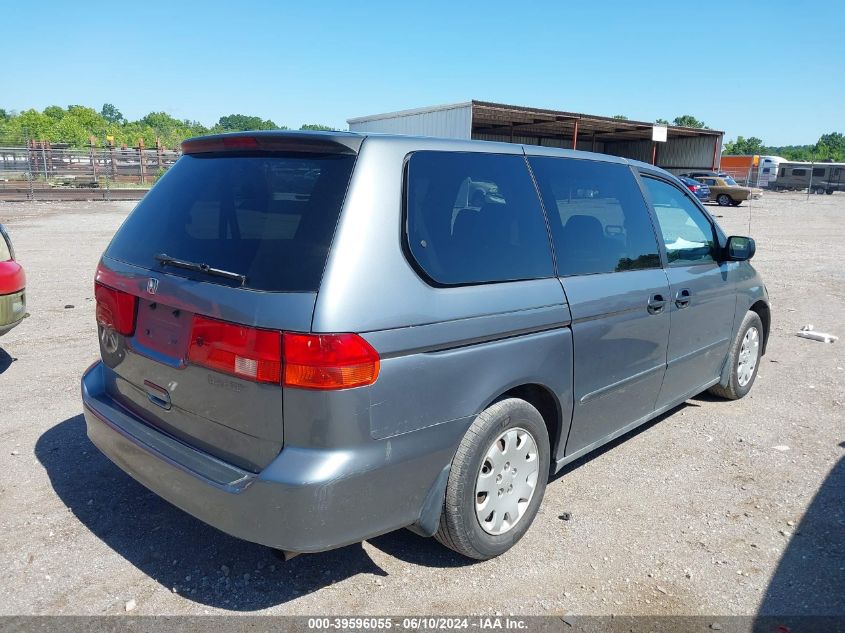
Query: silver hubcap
<point>506,481</point>
<point>748,354</point>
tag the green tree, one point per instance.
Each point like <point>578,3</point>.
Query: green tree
<point>831,147</point>
<point>661,122</point>
<point>111,114</point>
<point>241,122</point>
<point>319,127</point>
<point>88,118</point>
<point>687,120</point>
<point>56,113</point>
<point>4,116</point>
<point>621,117</point>
<point>745,146</point>
<point>33,124</point>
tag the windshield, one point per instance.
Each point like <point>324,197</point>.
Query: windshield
<point>267,217</point>
<point>730,181</point>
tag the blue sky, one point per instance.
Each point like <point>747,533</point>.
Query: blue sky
<point>767,69</point>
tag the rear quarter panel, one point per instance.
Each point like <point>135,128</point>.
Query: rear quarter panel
<point>446,352</point>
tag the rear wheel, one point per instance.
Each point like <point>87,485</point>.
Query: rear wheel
<point>497,480</point>
<point>724,200</point>
<point>744,358</point>
<point>829,192</point>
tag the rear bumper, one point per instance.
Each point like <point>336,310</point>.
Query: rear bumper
<point>306,500</point>
<point>12,310</point>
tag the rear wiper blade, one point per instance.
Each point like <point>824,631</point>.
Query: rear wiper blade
<point>166,260</point>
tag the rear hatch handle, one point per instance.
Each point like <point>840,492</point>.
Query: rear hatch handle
<point>166,260</point>
<point>159,396</point>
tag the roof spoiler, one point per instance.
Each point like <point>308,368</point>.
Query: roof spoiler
<point>309,142</point>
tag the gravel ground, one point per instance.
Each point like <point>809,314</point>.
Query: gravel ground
<point>716,508</point>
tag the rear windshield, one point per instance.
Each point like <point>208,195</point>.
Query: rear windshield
<point>268,217</point>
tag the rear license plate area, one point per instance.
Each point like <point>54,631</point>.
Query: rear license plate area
<point>162,330</point>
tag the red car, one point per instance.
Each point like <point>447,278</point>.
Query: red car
<point>12,286</point>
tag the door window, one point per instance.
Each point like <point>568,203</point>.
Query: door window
<point>687,233</point>
<point>599,220</point>
<point>475,218</point>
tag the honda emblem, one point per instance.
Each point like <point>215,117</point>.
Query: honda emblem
<point>152,285</point>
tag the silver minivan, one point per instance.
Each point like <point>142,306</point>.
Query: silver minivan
<point>310,339</point>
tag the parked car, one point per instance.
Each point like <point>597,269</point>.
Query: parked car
<point>310,371</point>
<point>727,192</point>
<point>12,286</point>
<point>699,189</point>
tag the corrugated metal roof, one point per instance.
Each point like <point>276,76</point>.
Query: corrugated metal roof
<point>413,112</point>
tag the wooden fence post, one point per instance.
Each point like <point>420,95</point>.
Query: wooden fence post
<point>141,159</point>
<point>92,140</point>
<point>111,157</point>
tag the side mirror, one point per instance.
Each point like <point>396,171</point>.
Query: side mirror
<point>739,248</point>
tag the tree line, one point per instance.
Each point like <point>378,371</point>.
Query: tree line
<point>76,124</point>
<point>829,147</point>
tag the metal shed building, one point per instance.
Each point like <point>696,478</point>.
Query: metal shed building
<point>684,149</point>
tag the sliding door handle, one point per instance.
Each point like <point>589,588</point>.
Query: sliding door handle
<point>682,298</point>
<point>656,304</point>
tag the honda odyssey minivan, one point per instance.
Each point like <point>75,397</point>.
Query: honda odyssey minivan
<point>310,339</point>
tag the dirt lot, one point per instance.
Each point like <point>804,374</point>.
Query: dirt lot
<point>717,508</point>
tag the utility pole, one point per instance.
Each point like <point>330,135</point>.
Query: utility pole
<point>812,165</point>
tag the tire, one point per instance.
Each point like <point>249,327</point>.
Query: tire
<point>461,528</point>
<point>724,200</point>
<point>829,192</point>
<point>736,203</point>
<point>740,381</point>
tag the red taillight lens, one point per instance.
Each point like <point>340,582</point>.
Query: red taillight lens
<point>329,361</point>
<point>236,349</point>
<point>692,188</point>
<point>115,309</point>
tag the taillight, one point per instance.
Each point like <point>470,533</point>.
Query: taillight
<point>328,361</point>
<point>693,188</point>
<point>115,309</point>
<point>305,361</point>
<point>236,349</point>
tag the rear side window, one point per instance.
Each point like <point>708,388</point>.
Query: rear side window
<point>475,218</point>
<point>687,233</point>
<point>598,216</point>
<point>819,172</point>
<point>269,217</point>
<point>799,172</point>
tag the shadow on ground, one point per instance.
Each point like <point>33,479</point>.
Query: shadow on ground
<point>810,577</point>
<point>180,551</point>
<point>5,360</point>
<point>202,563</point>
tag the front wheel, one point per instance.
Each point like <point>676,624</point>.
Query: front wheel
<point>497,480</point>
<point>744,359</point>
<point>724,200</point>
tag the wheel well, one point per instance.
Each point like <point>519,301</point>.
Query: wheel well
<point>763,311</point>
<point>547,404</point>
